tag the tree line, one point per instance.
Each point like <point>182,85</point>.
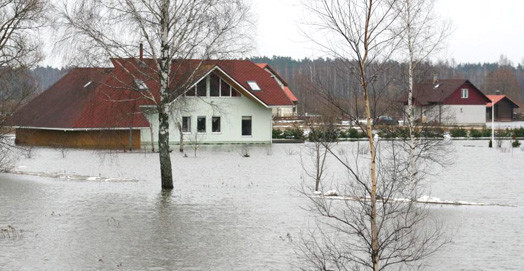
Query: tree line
<point>489,77</point>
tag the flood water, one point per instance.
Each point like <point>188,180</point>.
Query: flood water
<point>228,212</point>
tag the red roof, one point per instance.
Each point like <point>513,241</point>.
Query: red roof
<point>441,91</point>
<point>290,95</point>
<point>497,98</point>
<point>112,101</point>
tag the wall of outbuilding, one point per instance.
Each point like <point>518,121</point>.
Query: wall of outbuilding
<point>90,139</point>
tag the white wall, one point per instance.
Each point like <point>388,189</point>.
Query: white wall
<point>289,111</point>
<point>453,114</point>
<point>230,109</point>
<point>465,114</point>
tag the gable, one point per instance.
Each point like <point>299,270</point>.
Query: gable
<point>475,96</point>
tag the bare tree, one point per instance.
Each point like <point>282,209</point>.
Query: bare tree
<point>19,52</point>
<point>172,32</point>
<point>322,137</point>
<point>422,34</point>
<point>378,229</point>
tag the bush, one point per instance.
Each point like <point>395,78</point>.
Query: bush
<point>277,133</point>
<point>486,132</point>
<point>515,144</point>
<point>519,132</point>
<point>354,133</point>
<point>293,133</point>
<point>432,132</point>
<point>475,133</point>
<point>329,134</point>
<point>458,132</point>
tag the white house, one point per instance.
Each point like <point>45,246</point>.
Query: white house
<point>450,102</point>
<point>213,101</point>
<point>231,102</point>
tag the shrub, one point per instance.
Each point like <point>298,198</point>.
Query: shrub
<point>329,134</point>
<point>486,132</point>
<point>519,132</point>
<point>354,133</point>
<point>432,132</point>
<point>515,143</point>
<point>475,133</point>
<point>277,133</point>
<point>458,132</point>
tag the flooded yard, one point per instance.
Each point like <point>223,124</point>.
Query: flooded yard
<point>96,210</point>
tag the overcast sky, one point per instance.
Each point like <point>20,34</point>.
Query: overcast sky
<point>482,29</point>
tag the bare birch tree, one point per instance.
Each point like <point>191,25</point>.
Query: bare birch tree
<point>378,230</point>
<point>172,31</point>
<point>19,52</point>
<point>422,35</point>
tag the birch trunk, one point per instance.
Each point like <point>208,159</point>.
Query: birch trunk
<point>369,128</point>
<point>410,109</point>
<point>166,171</point>
<point>163,151</point>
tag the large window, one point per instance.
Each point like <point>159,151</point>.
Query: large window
<point>202,88</point>
<point>214,85</point>
<point>225,89</point>
<point>246,126</point>
<point>465,93</point>
<point>186,124</point>
<point>215,125</point>
<point>201,124</point>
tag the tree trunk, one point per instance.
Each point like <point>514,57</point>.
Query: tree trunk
<point>181,147</point>
<point>163,150</point>
<point>163,108</point>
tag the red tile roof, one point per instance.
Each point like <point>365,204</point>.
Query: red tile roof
<point>436,92</point>
<point>497,98</point>
<point>112,101</point>
<point>290,95</point>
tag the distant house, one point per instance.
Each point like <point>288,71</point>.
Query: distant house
<point>285,110</point>
<point>450,102</point>
<point>222,101</point>
<point>504,108</point>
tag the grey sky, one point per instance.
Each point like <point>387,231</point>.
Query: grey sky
<point>482,29</point>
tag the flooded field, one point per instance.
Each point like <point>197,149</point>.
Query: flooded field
<point>86,210</point>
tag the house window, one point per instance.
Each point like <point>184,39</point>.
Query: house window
<point>253,85</point>
<point>215,125</point>
<point>465,93</point>
<point>186,124</point>
<point>141,85</point>
<point>201,88</point>
<point>246,126</point>
<point>201,124</point>
<point>234,93</point>
<point>214,85</point>
<point>225,89</point>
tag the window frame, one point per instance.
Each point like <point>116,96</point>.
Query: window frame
<point>242,126</point>
<point>464,91</point>
<point>211,86</point>
<point>189,125</point>
<point>219,124</point>
<point>205,125</point>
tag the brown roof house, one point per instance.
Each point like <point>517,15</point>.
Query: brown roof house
<point>504,108</point>
<point>219,101</point>
<point>450,102</point>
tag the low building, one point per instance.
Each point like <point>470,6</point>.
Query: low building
<point>450,102</point>
<point>282,111</point>
<point>504,108</point>
<point>219,101</point>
